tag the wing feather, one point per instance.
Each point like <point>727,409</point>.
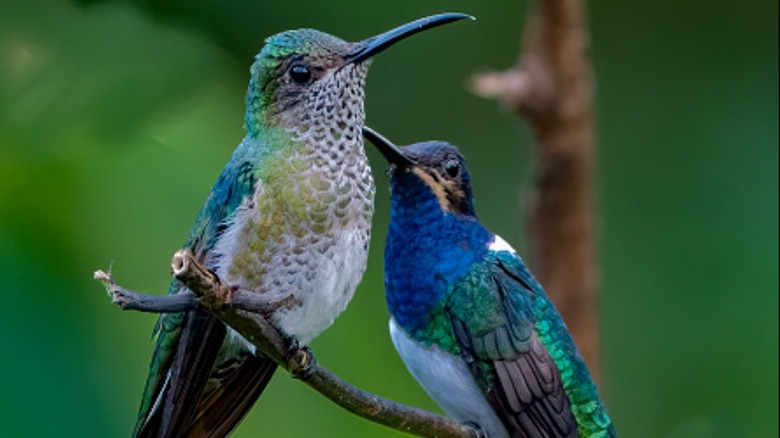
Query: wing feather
<point>522,382</point>
<point>189,344</point>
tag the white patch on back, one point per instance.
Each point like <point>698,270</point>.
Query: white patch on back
<point>500,244</point>
<point>447,380</point>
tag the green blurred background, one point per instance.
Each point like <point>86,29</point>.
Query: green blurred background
<point>117,116</point>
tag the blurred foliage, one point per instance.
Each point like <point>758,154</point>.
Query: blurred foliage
<point>116,117</point>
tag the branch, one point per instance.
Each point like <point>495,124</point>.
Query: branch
<point>551,87</point>
<point>129,300</point>
<point>244,310</point>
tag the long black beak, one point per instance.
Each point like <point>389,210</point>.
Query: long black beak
<point>371,46</point>
<point>391,152</point>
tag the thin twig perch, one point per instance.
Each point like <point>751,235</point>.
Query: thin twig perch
<point>231,306</point>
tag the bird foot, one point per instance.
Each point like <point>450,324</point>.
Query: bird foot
<point>302,363</point>
<point>479,432</point>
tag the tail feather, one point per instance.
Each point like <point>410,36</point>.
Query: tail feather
<point>221,411</point>
<point>183,377</point>
<point>181,406</point>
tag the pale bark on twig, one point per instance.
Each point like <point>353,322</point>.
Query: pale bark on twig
<point>551,87</point>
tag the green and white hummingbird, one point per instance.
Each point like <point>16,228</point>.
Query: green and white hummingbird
<point>289,218</point>
<point>468,319</point>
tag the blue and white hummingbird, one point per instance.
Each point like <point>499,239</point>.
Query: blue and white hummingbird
<point>288,218</point>
<point>470,322</point>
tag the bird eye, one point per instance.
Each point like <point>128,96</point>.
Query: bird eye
<point>452,167</point>
<point>300,73</point>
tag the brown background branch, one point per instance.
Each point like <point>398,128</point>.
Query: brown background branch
<point>551,87</point>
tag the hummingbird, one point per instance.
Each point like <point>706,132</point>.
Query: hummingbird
<point>467,317</point>
<point>289,218</point>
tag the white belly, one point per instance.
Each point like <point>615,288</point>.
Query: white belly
<point>337,273</point>
<point>447,380</point>
<point>320,266</point>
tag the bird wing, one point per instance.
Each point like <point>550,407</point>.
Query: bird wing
<point>494,326</point>
<point>187,358</point>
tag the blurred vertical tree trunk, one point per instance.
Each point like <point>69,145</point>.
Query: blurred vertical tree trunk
<point>551,87</point>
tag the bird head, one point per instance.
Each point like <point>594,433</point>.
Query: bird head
<point>431,168</point>
<point>302,76</point>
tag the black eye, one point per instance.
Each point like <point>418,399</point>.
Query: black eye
<point>300,73</point>
<point>452,167</point>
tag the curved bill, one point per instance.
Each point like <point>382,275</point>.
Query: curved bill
<point>391,152</point>
<point>371,46</point>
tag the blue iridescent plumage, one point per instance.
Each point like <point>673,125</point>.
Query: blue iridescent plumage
<point>469,320</point>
